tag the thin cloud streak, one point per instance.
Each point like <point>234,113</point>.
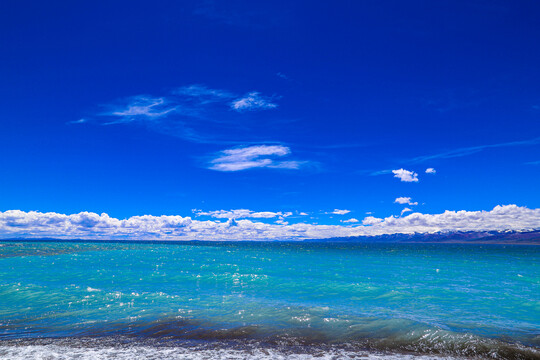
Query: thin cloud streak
<point>472,150</point>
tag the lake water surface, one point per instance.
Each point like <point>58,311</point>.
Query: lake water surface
<point>274,300</point>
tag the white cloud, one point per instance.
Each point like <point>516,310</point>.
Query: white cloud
<point>405,175</point>
<point>252,101</point>
<point>87,225</point>
<point>241,213</point>
<point>405,210</point>
<point>431,171</point>
<point>507,217</point>
<point>371,220</point>
<point>405,200</point>
<point>80,121</point>
<point>203,94</point>
<point>339,212</point>
<point>287,164</point>
<point>303,214</point>
<point>257,156</point>
<point>351,220</point>
<point>184,112</point>
<point>143,106</point>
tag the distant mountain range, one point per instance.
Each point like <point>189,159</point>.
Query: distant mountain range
<point>459,237</point>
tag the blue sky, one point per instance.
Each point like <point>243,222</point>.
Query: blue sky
<point>194,107</point>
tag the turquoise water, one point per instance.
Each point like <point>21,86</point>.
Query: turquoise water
<point>400,299</point>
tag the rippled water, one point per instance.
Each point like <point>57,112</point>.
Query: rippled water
<point>268,300</point>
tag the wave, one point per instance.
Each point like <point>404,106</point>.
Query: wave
<point>219,352</point>
<point>174,335</point>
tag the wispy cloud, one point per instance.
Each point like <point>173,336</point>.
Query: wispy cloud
<point>252,101</point>
<point>88,225</point>
<point>431,171</point>
<point>379,172</point>
<point>142,107</point>
<point>257,156</point>
<point>80,121</point>
<point>188,112</point>
<point>405,200</point>
<point>203,94</point>
<point>472,150</point>
<point>405,175</point>
<point>351,220</point>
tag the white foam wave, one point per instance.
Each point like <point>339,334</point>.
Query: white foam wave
<point>59,352</point>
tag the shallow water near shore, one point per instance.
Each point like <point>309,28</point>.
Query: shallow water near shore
<point>268,300</point>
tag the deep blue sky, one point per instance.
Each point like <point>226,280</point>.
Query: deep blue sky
<point>351,89</point>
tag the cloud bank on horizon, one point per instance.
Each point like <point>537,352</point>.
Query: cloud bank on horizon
<point>88,225</point>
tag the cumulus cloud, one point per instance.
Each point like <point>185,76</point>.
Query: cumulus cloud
<point>241,213</point>
<point>256,156</point>
<point>87,225</point>
<point>405,175</point>
<point>405,200</point>
<point>351,220</point>
<point>339,212</point>
<point>431,171</point>
<point>252,101</point>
